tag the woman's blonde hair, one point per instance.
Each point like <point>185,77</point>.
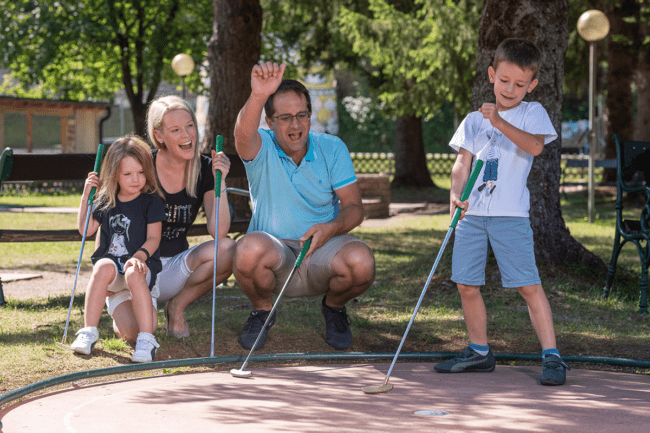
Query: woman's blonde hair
<point>155,114</point>
<point>135,147</point>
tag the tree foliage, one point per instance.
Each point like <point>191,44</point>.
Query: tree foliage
<point>421,54</point>
<point>424,56</point>
<point>89,49</point>
<point>302,33</point>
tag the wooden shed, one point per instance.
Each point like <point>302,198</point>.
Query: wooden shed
<point>80,122</point>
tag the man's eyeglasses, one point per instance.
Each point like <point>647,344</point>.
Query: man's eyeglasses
<point>286,119</point>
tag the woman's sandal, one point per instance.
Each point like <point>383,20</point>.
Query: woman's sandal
<point>178,334</point>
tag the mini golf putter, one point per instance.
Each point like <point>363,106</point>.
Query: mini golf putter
<point>218,147</point>
<point>98,163</point>
<point>385,387</point>
<point>241,372</point>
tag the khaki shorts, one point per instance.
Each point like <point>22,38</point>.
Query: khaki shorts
<point>314,273</point>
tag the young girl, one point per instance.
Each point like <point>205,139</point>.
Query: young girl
<point>130,210</point>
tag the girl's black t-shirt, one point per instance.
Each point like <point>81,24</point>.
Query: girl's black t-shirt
<point>124,230</point>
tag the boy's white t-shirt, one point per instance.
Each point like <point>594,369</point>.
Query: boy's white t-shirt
<point>506,166</point>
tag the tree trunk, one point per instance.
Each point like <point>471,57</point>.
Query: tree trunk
<point>139,111</point>
<point>620,73</point>
<point>642,81</point>
<point>410,160</point>
<point>545,24</point>
<point>233,50</point>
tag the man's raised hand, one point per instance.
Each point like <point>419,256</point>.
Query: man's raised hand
<point>266,77</point>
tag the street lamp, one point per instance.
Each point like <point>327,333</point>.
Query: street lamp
<point>593,26</point>
<point>183,65</point>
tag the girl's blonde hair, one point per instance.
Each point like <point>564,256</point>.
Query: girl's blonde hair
<point>155,114</point>
<point>135,147</point>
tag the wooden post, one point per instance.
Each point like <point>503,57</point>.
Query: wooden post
<point>2,130</point>
<point>30,144</point>
<point>64,134</point>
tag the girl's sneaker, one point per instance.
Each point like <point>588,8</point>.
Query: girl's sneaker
<point>86,339</point>
<point>145,348</point>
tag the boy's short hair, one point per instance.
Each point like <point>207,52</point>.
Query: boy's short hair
<point>521,52</point>
<point>287,86</point>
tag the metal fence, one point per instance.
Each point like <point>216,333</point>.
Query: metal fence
<point>440,164</point>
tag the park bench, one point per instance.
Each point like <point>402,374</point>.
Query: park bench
<point>584,163</point>
<point>20,167</point>
<point>632,177</point>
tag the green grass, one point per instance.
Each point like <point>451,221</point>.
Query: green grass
<point>585,324</point>
<point>41,199</point>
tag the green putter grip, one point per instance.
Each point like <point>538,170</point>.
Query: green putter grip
<point>217,178</point>
<point>98,164</point>
<point>304,250</point>
<point>468,190</point>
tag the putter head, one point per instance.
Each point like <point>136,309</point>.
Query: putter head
<point>241,373</point>
<point>377,389</point>
<point>62,346</point>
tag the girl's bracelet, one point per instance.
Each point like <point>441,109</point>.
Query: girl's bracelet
<point>144,251</point>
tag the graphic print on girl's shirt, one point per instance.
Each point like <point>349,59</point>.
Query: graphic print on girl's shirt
<point>120,227</point>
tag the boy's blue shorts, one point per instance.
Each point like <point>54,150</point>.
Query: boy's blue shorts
<point>511,239</point>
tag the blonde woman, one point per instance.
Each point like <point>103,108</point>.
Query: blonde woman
<point>129,210</point>
<point>186,179</point>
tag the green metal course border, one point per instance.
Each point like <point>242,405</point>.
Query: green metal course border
<point>346,356</point>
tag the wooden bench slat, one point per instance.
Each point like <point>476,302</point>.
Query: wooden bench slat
<point>605,163</point>
<point>236,226</point>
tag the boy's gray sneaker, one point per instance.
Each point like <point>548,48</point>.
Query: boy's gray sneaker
<point>468,360</point>
<point>553,370</point>
<point>253,327</point>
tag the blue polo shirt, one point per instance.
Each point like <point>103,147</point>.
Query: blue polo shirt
<point>287,199</point>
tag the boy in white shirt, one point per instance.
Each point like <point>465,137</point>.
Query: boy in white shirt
<point>506,135</point>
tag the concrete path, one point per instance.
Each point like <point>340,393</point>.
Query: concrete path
<point>329,398</point>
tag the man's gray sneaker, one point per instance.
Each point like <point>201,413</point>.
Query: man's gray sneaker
<point>337,327</point>
<point>553,370</point>
<point>253,327</point>
<point>468,360</point>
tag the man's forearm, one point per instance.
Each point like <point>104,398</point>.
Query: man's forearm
<point>248,119</point>
<point>348,218</point>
